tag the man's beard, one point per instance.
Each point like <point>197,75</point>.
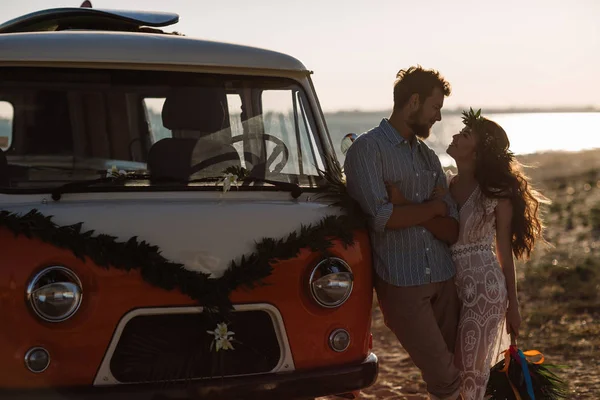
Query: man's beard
<point>420,130</point>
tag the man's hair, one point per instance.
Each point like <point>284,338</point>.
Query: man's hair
<point>417,80</point>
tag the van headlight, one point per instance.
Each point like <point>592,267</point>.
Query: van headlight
<point>331,282</point>
<point>55,294</point>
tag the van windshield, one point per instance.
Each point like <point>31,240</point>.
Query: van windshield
<point>175,128</point>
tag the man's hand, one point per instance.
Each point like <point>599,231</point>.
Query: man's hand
<point>438,193</point>
<point>440,207</point>
<point>395,196</point>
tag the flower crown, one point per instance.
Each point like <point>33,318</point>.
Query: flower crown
<point>474,121</point>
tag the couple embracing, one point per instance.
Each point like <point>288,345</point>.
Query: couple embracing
<point>443,245</point>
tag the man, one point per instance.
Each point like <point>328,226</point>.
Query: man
<point>414,271</point>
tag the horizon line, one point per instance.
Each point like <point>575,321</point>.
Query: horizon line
<point>488,110</point>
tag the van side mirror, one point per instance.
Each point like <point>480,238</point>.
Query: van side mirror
<point>347,142</point>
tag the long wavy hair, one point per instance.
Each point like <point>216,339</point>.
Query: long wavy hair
<point>500,175</point>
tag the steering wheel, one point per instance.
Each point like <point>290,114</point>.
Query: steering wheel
<point>280,148</point>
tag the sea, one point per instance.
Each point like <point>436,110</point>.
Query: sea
<point>533,132</point>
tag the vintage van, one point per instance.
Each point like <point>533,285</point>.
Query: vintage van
<point>164,232</point>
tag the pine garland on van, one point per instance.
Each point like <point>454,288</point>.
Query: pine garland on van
<point>212,293</point>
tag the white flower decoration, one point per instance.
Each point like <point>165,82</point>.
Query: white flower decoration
<point>223,337</point>
<point>228,180</point>
<point>113,172</point>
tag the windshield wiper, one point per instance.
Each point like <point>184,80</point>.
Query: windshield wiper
<point>294,190</point>
<point>75,186</point>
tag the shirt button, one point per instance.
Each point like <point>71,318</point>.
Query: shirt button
<point>427,249</point>
<point>424,230</point>
<point>417,193</point>
<point>417,174</point>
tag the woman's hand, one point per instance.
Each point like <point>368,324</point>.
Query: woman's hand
<point>395,196</point>
<point>513,319</point>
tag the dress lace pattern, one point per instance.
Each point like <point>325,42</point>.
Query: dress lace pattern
<point>482,291</point>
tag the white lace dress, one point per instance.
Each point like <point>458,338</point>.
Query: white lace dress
<point>482,291</point>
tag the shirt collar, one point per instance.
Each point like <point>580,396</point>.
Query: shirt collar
<point>392,134</point>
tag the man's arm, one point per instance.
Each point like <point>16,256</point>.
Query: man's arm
<point>444,228</point>
<point>416,214</point>
<point>364,177</point>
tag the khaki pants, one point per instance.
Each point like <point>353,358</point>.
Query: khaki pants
<point>424,319</point>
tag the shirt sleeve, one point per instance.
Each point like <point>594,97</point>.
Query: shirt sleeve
<point>364,181</point>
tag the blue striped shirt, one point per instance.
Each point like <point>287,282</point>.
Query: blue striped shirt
<point>403,257</point>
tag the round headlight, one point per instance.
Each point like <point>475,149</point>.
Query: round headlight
<point>331,282</point>
<point>55,294</point>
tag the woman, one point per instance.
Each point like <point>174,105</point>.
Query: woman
<point>496,204</point>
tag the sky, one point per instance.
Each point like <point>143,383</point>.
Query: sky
<point>509,53</point>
